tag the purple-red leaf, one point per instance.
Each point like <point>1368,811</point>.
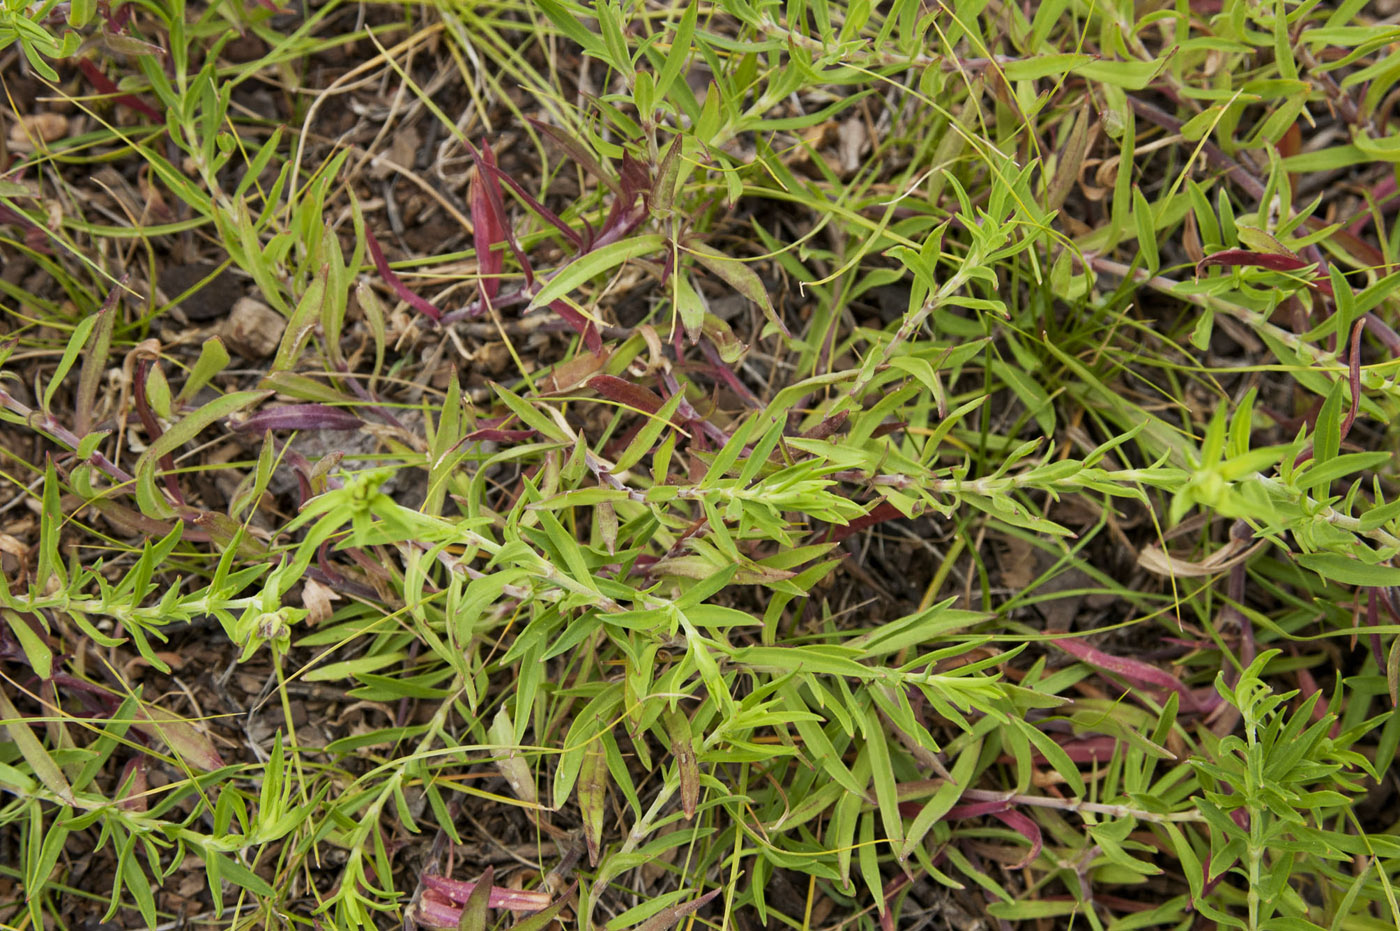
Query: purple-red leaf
<point>299,417</point>
<point>581,324</point>
<point>459,891</point>
<point>1003,812</point>
<point>1272,261</point>
<point>488,229</point>
<point>878,515</point>
<point>578,152</point>
<point>486,166</point>
<point>828,427</point>
<point>117,20</point>
<point>976,809</point>
<point>491,435</point>
<point>1026,828</point>
<point>624,215</point>
<point>626,393</point>
<point>549,216</point>
<point>475,908</point>
<point>420,304</point>
<point>1085,750</point>
<point>1134,671</point>
<point>636,177</point>
<point>105,85</point>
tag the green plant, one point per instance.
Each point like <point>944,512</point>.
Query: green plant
<point>744,462</point>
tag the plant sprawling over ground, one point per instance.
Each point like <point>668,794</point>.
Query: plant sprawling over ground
<point>734,463</point>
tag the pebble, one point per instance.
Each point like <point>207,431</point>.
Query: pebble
<point>253,330</point>
<point>46,127</point>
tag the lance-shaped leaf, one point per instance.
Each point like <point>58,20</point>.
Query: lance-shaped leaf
<point>668,917</point>
<point>626,393</point>
<point>509,761</point>
<point>1245,257</point>
<point>1273,261</point>
<point>95,358</point>
<point>1007,815</point>
<point>475,908</point>
<point>179,434</point>
<point>543,919</point>
<point>459,891</point>
<point>593,795</point>
<point>299,417</point>
<point>133,785</point>
<point>879,514</point>
<point>678,729</point>
<point>488,229</point>
<point>105,85</point>
<point>421,304</point>
<point>498,226</point>
<point>592,264</point>
<point>494,435</point>
<point>579,152</point>
<point>739,277</point>
<point>1070,160</point>
<point>39,760</point>
<point>549,216</point>
<point>1027,828</point>
<point>185,740</point>
<point>581,324</point>
<point>1134,671</point>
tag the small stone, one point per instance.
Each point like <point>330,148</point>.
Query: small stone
<point>253,330</point>
<point>40,127</point>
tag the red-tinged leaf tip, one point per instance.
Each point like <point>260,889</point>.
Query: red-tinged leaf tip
<point>491,435</point>
<point>635,176</point>
<point>581,324</point>
<point>976,809</point>
<point>459,891</point>
<point>592,796</point>
<point>625,392</point>
<point>134,785</point>
<point>488,225</point>
<point>1027,828</point>
<point>299,417</point>
<point>1244,257</point>
<point>668,917</point>
<point>682,745</point>
<point>828,427</point>
<point>418,303</point>
<point>878,515</point>
<point>435,913</point>
<point>181,736</point>
<point>105,85</point>
<point>1132,670</point>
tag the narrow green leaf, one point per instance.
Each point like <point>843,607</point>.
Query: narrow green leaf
<point>1146,231</point>
<point>474,910</point>
<point>39,760</point>
<point>592,264</point>
<point>740,277</point>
